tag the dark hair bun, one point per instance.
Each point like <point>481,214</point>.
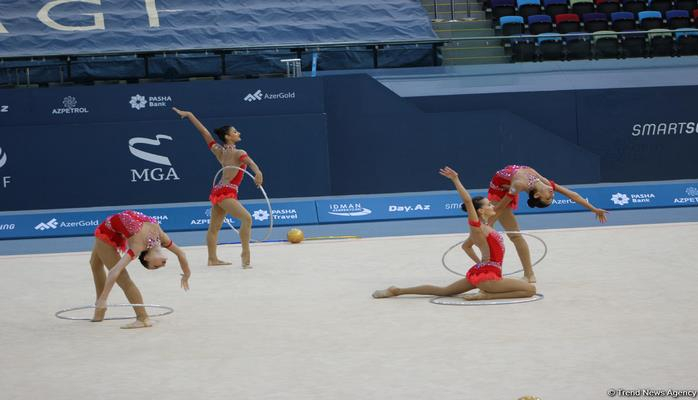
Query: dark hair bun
<point>532,202</point>
<point>462,207</point>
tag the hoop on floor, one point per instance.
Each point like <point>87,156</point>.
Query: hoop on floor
<point>271,215</point>
<point>459,301</point>
<point>545,253</point>
<point>59,314</point>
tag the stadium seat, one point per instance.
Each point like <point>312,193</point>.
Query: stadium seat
<point>695,18</point>
<point>650,20</point>
<point>512,25</point>
<point>567,23</point>
<point>634,44</point>
<point>607,6</point>
<point>581,7</point>
<point>688,5</point>
<point>661,43</point>
<point>555,7</point>
<point>502,8</point>
<point>523,49</point>
<point>634,6</point>
<point>623,21</point>
<point>686,41</point>
<point>594,22</point>
<point>606,44</point>
<point>578,47</point>
<point>678,19</point>
<point>550,46</point>
<point>538,24</point>
<point>661,5</point>
<point>525,8</point>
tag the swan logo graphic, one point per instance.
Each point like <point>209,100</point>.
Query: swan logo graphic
<point>620,199</point>
<point>3,158</point>
<point>151,174</point>
<point>138,102</point>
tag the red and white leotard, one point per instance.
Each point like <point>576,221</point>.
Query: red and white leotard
<point>118,228</point>
<point>492,269</point>
<point>227,187</point>
<point>500,185</point>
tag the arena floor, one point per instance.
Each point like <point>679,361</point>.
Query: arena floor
<point>619,312</point>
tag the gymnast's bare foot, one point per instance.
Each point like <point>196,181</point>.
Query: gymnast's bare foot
<point>245,257</point>
<point>99,314</point>
<point>482,295</point>
<point>216,262</point>
<point>138,324</point>
<point>389,292</point>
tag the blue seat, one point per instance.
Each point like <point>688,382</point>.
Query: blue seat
<point>678,19</point>
<point>512,25</point>
<point>650,20</point>
<point>623,21</point>
<point>540,24</point>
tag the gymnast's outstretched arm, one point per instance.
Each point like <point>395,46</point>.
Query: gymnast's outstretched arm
<point>197,124</point>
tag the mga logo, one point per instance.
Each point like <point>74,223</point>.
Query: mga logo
<point>139,102</point>
<point>348,210</point>
<point>70,106</point>
<point>151,174</point>
<point>52,224</point>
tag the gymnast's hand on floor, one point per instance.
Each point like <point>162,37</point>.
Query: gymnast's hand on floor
<point>600,214</point>
<point>185,282</point>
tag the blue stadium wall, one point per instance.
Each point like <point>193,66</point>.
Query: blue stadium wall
<point>336,135</point>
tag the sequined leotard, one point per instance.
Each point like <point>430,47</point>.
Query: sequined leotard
<point>492,269</point>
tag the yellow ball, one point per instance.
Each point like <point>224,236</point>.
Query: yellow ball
<point>295,235</point>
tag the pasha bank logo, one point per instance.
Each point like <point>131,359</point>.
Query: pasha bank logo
<point>139,102</point>
<point>622,199</point>
<point>157,174</point>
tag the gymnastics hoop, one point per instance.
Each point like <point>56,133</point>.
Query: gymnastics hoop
<point>545,253</point>
<point>459,301</point>
<point>59,314</point>
<point>271,215</point>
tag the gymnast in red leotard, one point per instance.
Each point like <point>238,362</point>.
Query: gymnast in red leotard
<point>504,191</point>
<point>135,235</point>
<point>486,274</point>
<point>224,195</point>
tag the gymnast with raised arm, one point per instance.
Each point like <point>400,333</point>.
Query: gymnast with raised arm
<point>486,274</point>
<point>224,195</point>
<point>137,236</point>
<point>505,186</point>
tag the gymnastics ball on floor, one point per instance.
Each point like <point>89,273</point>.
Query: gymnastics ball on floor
<point>295,235</point>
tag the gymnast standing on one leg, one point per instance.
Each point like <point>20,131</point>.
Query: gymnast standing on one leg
<point>486,274</point>
<point>144,239</point>
<point>504,191</point>
<point>224,196</point>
